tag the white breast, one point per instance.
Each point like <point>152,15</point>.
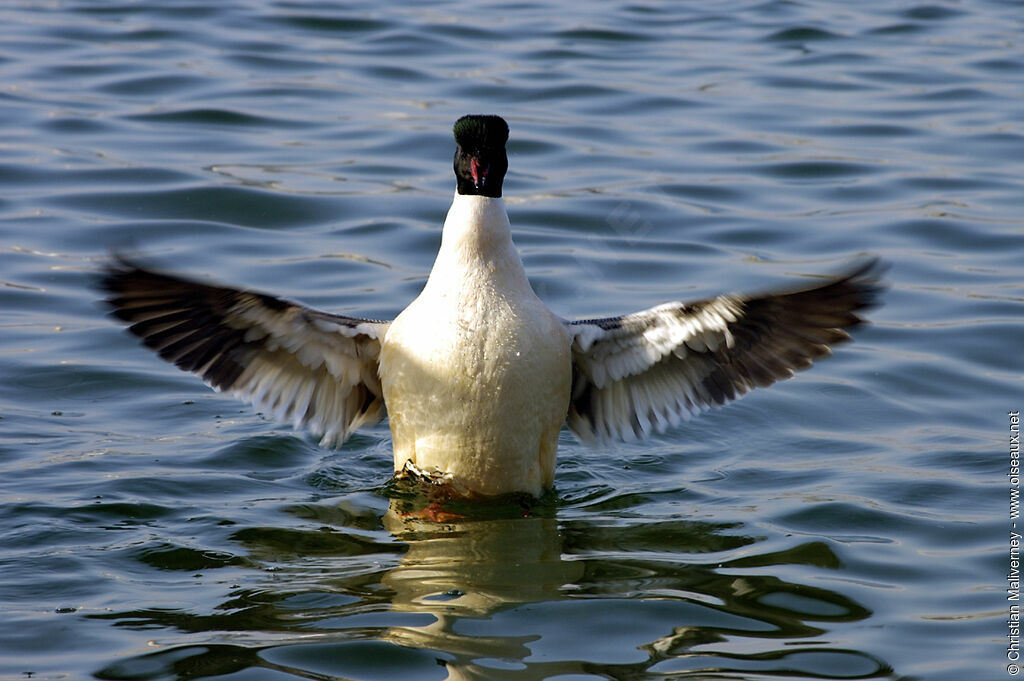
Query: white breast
<point>476,371</point>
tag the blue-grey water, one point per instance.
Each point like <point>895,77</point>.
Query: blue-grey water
<point>852,523</point>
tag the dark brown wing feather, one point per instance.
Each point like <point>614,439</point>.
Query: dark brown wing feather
<point>646,371</point>
<point>312,368</point>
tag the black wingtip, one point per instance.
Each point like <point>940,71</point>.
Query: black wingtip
<point>856,288</point>
<point>116,270</point>
<point>870,268</point>
<point>867,279</point>
<point>111,283</point>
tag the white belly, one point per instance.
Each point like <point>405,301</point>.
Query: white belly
<point>477,386</point>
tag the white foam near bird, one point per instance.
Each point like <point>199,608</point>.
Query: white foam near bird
<point>477,376</point>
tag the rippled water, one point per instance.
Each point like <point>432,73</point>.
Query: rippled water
<point>851,523</point>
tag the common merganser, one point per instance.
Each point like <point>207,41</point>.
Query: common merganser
<point>477,376</point>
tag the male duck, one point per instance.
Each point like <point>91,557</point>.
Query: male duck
<point>477,375</point>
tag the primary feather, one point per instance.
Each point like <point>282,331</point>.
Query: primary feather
<point>313,369</point>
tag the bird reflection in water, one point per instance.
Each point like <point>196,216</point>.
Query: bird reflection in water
<point>499,592</point>
<point>483,559</point>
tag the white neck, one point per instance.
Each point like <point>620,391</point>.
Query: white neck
<point>476,244</point>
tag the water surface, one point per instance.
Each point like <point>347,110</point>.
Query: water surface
<point>848,524</point>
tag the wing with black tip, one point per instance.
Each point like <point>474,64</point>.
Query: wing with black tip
<point>313,369</point>
<point>643,372</point>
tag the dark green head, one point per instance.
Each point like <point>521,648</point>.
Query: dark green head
<point>480,160</point>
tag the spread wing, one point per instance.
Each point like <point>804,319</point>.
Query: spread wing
<point>649,370</point>
<point>314,369</point>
